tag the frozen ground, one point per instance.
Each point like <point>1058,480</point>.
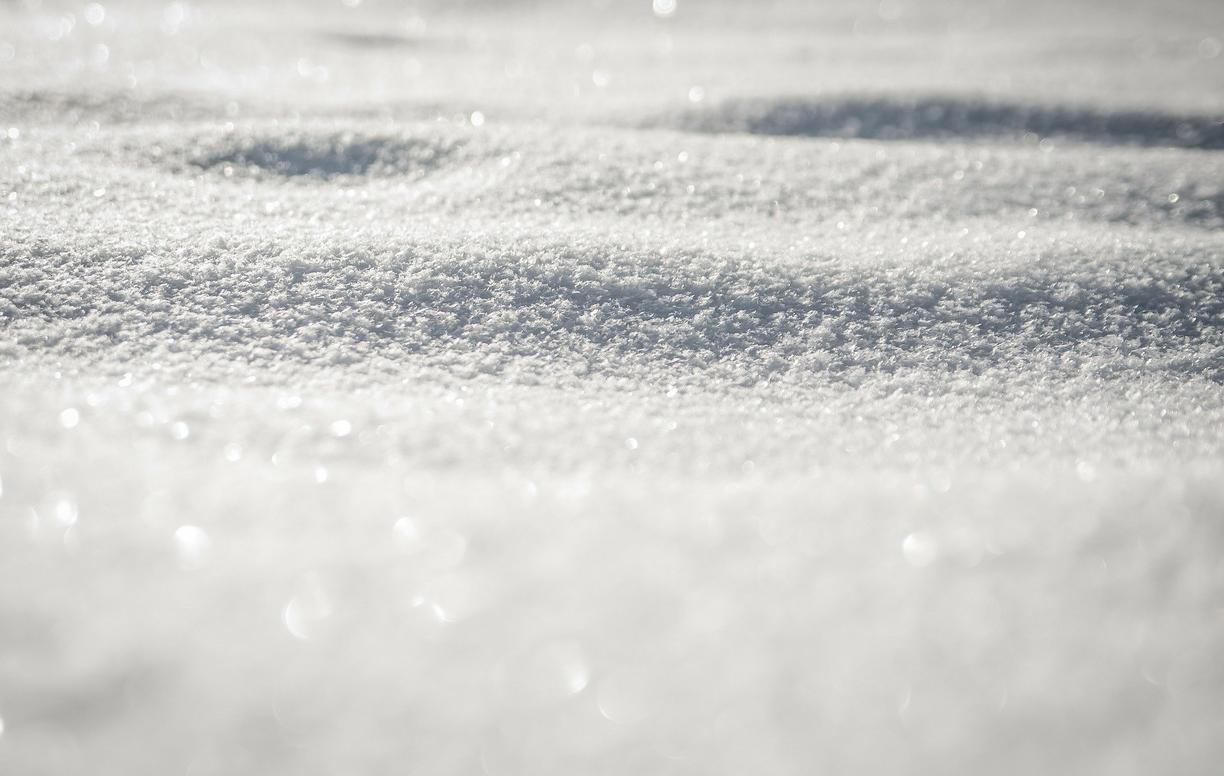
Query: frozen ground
<point>593,388</point>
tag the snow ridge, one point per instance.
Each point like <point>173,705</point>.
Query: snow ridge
<point>334,301</point>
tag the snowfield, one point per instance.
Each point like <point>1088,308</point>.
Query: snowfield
<point>611,387</point>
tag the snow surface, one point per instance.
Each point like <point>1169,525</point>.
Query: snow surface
<point>542,388</point>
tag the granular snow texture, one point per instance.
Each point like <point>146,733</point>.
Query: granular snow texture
<point>553,388</point>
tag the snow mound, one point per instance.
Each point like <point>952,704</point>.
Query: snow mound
<point>942,118</point>
<point>329,156</point>
<point>107,107</point>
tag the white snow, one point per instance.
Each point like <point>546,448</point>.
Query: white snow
<point>623,387</point>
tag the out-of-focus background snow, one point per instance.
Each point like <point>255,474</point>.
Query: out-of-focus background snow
<point>685,387</point>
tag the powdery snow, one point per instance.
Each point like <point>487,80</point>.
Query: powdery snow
<point>533,389</point>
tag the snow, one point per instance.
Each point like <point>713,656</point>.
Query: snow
<point>669,387</point>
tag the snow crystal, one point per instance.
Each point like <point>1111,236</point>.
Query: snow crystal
<point>664,8</point>
<point>193,546</point>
